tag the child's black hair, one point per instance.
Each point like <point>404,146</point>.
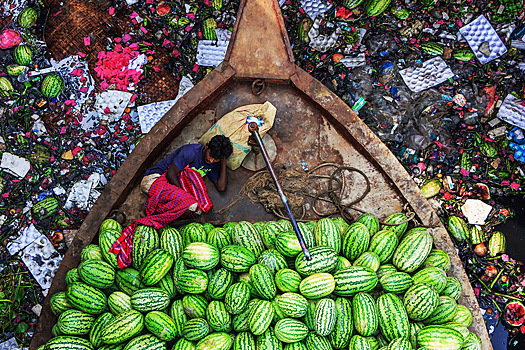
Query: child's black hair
<point>220,147</point>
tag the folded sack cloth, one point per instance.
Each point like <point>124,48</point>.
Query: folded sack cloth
<point>166,203</point>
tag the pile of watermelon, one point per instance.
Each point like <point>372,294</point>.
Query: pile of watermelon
<point>249,286</point>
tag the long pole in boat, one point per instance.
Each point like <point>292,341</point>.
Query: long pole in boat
<point>254,129</point>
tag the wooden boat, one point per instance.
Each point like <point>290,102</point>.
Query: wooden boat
<point>312,125</point>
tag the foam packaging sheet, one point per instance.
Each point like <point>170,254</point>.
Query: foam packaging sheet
<point>42,260</point>
<point>512,111</point>
<point>483,40</point>
<point>433,72</point>
<point>211,53</point>
<point>15,165</point>
<point>28,236</point>
<point>110,104</point>
<point>314,8</point>
<point>9,344</point>
<point>322,42</point>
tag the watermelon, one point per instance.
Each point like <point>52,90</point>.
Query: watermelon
<point>420,301</point>
<point>193,232</point>
<point>463,316</point>
<point>72,276</point>
<point>438,337</point>
<point>260,317</point>
<point>96,273</point>
<point>86,298</point>
<point>269,234</point>
<point>396,282</point>
<point>145,240</point>
<point>22,55</point>
<point>434,49</point>
<point>412,251</point>
<point>196,329</point>
<point>218,317</point>
<point>122,327</point>
<point>342,332</point>
<point>91,251</point>
<point>215,341</point>
<point>75,322</point>
<point>384,244</point>
<point>68,342</point>
<point>368,259</point>
<point>237,298</point>
<point>497,243</point>
<point>15,70</point>
<point>219,283</point>
<point>453,288</point>
<point>397,221</point>
<point>119,302</point>
<point>317,342</point>
<point>287,244</point>
<point>368,219</point>
<point>355,241</point>
<point>27,17</point>
<point>364,313</point>
<point>244,340</point>
<point>236,258</point>
<point>110,224</point>
<point>358,342</point>
<point>273,260</point>
<point>149,299</point>
<point>393,319</point>
<point>193,281</point>
<point>472,342</point>
<point>287,280</point>
<point>323,259</point>
<point>6,88</point>
<point>208,29</point>
<point>155,266</point>
<point>327,234</point>
<point>52,85</point>
<point>98,327</point>
<point>289,330</point>
<point>317,285</point>
<point>161,325</point>
<point>128,280</point>
<point>262,281</point>
<point>219,238</point>
<point>200,255</point>
<point>444,312</point>
<point>292,304</point>
<point>171,241</point>
<point>59,303</point>
<point>268,341</point>
<point>195,305</point>
<point>246,235</point>
<point>438,258</point>
<point>384,270</point>
<point>146,342</point>
<point>178,315</point>
<point>353,280</point>
<point>432,276</point>
<point>458,228</point>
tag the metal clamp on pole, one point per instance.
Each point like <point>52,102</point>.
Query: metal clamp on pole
<point>254,129</point>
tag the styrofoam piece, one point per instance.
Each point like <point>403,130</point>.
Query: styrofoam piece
<point>115,101</point>
<point>314,8</point>
<point>28,236</point>
<point>476,211</point>
<point>281,2</point>
<point>15,165</point>
<point>497,132</point>
<point>37,309</point>
<point>483,40</point>
<point>9,344</point>
<point>210,53</point>
<point>131,2</point>
<point>81,192</point>
<point>321,42</point>
<point>433,72</point>
<point>353,62</point>
<point>505,30</point>
<point>151,113</point>
<point>89,120</point>
<point>512,111</point>
<point>223,34</point>
<point>138,62</point>
<point>42,260</point>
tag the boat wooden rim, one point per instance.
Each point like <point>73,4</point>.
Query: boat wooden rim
<point>259,50</point>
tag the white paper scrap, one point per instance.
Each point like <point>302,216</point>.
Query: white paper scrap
<point>476,211</point>
<point>15,165</point>
<point>433,72</point>
<point>483,39</point>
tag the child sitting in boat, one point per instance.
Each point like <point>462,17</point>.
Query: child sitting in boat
<point>207,160</point>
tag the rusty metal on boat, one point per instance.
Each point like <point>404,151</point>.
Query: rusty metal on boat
<point>312,125</point>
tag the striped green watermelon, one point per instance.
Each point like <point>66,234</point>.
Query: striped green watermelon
<point>434,49</point>
<point>341,224</point>
<point>244,340</point>
<point>384,270</point>
<point>497,243</point>
<point>91,251</point>
<point>171,241</point>
<point>178,315</point>
<point>453,288</point>
<point>155,266</point>
<point>110,224</point>
<point>59,303</point>
<point>237,259</point>
<point>261,315</point>
<point>96,273</point>
<point>46,207</point>
<point>353,280</point>
<point>237,298</point>
<point>325,317</point>
<point>289,330</point>
<point>195,305</point>
<point>278,314</point>
<point>183,344</point>
<point>208,227</point>
<point>27,17</point>
<point>369,219</point>
<point>287,280</point>
<point>86,298</point>
<point>146,342</point>
<point>317,285</point>
<point>6,89</point>
<point>200,255</point>
<point>342,263</point>
<point>105,241</point>
<point>273,260</point>
<point>122,327</point>
<point>317,342</point>
<point>262,281</point>
<point>355,241</point>
<point>364,314</point>
<point>368,259</point>
<point>432,276</point>
<point>193,281</point>
<point>472,342</point>
<point>68,342</point>
<point>75,322</point>
<point>119,302</point>
<point>22,55</point>
<point>219,283</point>
<point>323,259</point>
<point>458,327</point>
<point>438,258</point>
<point>384,244</point>
<point>167,284</point>
<point>96,330</point>
<point>358,342</point>
<point>458,228</point>
<point>412,251</point>
<point>286,225</point>
<point>393,319</point>
<point>219,238</point>
<point>128,280</point>
<point>241,321</point>
<point>161,325</point>
<point>215,341</point>
<point>218,317</point>
<point>307,229</point>
<point>397,221</point>
<point>268,341</point>
<point>52,85</point>
<point>269,234</point>
<point>444,312</point>
<point>438,337</point>
<point>420,301</point>
<point>145,240</point>
<point>396,282</point>
<point>292,304</point>
<point>196,329</point>
<point>400,344</point>
<point>287,244</point>
<point>342,332</point>
<point>193,232</point>
<point>327,234</point>
<point>246,235</point>
<point>149,299</point>
<point>414,329</point>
